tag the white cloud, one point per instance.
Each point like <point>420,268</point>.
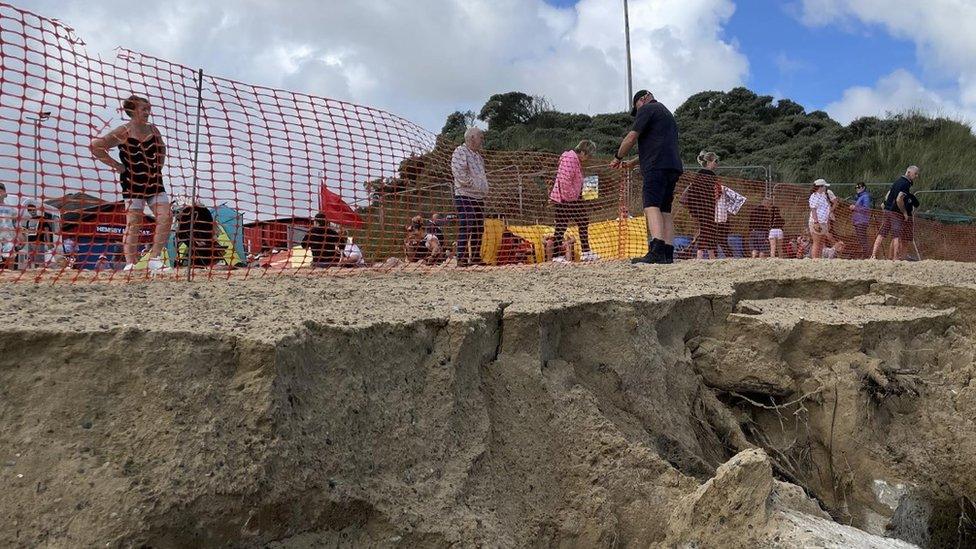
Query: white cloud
<point>425,58</point>
<point>942,31</point>
<point>420,59</point>
<point>787,65</point>
<point>896,93</point>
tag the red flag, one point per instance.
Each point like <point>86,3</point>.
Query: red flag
<point>337,211</point>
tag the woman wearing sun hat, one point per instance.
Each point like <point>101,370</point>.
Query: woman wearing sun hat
<point>819,216</point>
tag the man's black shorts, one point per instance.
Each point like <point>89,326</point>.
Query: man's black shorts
<point>908,230</point>
<point>659,188</point>
<point>896,226</point>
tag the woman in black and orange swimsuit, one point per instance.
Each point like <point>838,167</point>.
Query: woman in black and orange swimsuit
<point>142,154</point>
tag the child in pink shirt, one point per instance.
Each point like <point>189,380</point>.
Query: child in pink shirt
<point>567,202</point>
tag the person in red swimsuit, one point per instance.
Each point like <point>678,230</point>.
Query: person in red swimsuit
<point>142,154</point>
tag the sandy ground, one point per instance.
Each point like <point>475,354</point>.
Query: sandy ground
<point>267,308</point>
<point>551,405</point>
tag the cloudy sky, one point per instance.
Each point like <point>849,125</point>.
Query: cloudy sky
<point>423,59</point>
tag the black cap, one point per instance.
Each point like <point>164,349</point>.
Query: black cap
<point>637,97</point>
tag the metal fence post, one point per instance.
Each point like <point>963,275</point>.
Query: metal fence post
<point>193,189</point>
<point>623,223</point>
<point>518,173</point>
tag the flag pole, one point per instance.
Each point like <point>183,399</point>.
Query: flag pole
<point>193,189</point>
<point>630,75</point>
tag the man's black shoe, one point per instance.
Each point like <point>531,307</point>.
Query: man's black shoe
<point>650,259</point>
<point>654,256</point>
<point>668,253</point>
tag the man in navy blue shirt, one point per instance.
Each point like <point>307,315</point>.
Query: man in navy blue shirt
<point>897,215</point>
<point>656,134</point>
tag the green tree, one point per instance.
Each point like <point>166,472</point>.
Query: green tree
<point>503,110</point>
<point>456,124</point>
<point>746,128</point>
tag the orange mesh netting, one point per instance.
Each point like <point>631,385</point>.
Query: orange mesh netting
<point>228,179</point>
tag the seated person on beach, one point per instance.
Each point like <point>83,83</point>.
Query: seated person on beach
<point>434,227</point>
<point>833,249</point>
<point>422,242</point>
<point>801,246</point>
<point>514,250</point>
<point>104,263</point>
<point>39,233</point>
<point>352,256</point>
<point>196,237</point>
<point>414,245</point>
<point>566,255</point>
<point>435,240</point>
<point>323,242</point>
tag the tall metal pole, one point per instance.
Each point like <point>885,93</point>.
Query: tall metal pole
<point>37,154</point>
<point>37,121</point>
<point>193,190</point>
<point>630,74</point>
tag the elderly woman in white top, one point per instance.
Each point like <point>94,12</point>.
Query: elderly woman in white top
<point>820,209</point>
<point>470,190</point>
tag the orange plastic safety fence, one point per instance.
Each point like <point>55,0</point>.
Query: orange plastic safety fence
<point>136,167</point>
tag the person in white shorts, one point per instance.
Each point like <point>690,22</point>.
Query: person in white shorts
<point>776,242</point>
<point>820,210</point>
<point>142,154</point>
<point>776,234</point>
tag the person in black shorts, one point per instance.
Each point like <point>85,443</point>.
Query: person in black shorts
<point>908,229</point>
<point>142,154</point>
<point>656,134</point>
<point>897,215</point>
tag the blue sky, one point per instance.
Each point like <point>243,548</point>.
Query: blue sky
<point>812,65</point>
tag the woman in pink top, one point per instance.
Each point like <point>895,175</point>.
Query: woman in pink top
<point>566,197</point>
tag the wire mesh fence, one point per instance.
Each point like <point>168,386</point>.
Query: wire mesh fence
<point>134,166</point>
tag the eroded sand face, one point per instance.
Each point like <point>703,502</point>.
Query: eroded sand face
<point>547,405</point>
<point>264,308</point>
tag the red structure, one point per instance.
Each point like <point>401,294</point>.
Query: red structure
<point>281,234</point>
<point>104,222</point>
